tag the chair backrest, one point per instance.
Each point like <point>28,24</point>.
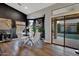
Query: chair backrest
<point>19,34</point>
<point>36,37</point>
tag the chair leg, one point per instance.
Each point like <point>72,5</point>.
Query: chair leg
<point>29,43</point>
<point>77,51</point>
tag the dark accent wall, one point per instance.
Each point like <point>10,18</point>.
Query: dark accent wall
<point>13,14</point>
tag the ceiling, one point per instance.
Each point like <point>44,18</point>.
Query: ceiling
<point>28,8</point>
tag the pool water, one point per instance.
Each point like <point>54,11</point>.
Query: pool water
<point>70,36</point>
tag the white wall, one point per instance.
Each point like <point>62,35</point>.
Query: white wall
<point>66,10</point>
<point>48,14</point>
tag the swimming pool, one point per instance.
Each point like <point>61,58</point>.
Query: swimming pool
<point>70,36</point>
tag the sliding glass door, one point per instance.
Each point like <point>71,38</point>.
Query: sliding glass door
<point>66,32</point>
<point>72,33</point>
<point>58,33</point>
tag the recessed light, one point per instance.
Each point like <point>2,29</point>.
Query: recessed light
<point>26,7</point>
<point>19,4</point>
<point>22,5</point>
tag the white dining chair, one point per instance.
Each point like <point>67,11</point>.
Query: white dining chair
<point>35,41</point>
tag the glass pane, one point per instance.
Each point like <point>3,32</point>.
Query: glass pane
<point>30,25</point>
<point>72,33</point>
<point>58,36</point>
<point>31,29</point>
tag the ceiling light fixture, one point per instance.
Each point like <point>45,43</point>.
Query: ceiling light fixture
<point>26,7</point>
<point>19,4</point>
<point>22,5</point>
